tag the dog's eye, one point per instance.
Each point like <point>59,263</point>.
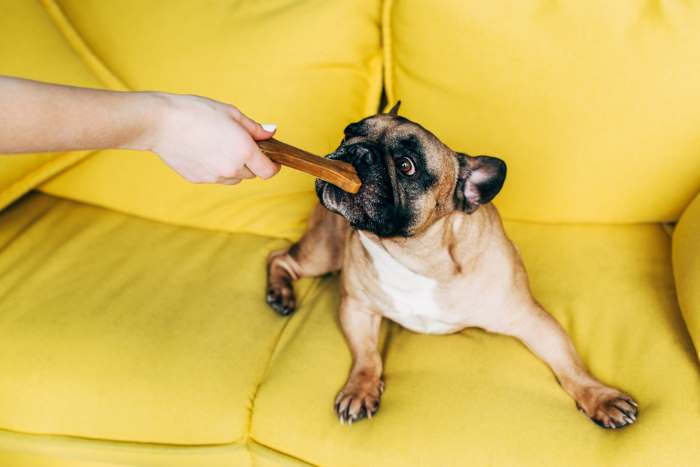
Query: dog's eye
<point>406,166</point>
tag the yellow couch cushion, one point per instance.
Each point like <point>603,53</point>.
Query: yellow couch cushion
<point>479,399</point>
<point>33,47</point>
<point>119,328</point>
<point>27,450</point>
<point>686,267</point>
<point>311,67</point>
<point>593,104</point>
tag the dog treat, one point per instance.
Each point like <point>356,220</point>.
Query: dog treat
<point>340,174</point>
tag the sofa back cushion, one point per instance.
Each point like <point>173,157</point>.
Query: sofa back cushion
<point>594,105</point>
<point>310,67</point>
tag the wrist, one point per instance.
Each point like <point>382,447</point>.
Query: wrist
<point>151,110</point>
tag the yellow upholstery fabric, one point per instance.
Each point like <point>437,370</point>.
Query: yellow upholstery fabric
<point>686,267</point>
<point>121,349</point>
<point>593,104</point>
<point>123,329</point>
<point>128,342</point>
<point>479,399</point>
<point>311,67</point>
<point>22,450</point>
<point>46,56</point>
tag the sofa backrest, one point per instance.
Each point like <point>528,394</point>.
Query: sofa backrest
<point>32,47</point>
<point>310,67</point>
<point>594,105</point>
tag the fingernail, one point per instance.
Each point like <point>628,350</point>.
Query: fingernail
<point>269,127</point>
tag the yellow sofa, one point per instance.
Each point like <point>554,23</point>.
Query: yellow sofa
<point>133,328</point>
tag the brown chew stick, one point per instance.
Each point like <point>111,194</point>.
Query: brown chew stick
<point>340,174</point>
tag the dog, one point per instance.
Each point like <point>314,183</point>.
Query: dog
<point>422,245</point>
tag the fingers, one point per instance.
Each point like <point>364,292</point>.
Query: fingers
<point>257,131</point>
<point>233,178</point>
<point>228,180</point>
<point>261,166</point>
<point>245,173</point>
<point>257,164</point>
<point>252,163</point>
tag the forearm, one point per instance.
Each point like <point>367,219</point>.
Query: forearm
<point>203,140</point>
<point>40,117</point>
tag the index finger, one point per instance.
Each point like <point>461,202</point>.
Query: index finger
<point>254,129</point>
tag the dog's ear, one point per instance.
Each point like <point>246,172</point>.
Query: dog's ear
<point>395,109</point>
<point>479,181</point>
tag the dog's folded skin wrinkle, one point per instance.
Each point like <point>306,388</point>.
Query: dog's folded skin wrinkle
<point>459,198</point>
<point>396,194</point>
<point>393,240</point>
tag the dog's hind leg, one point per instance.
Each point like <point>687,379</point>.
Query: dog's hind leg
<point>318,252</point>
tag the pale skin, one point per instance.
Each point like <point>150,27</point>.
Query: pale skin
<point>203,140</point>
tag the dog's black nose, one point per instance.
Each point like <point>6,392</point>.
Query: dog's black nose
<point>362,155</point>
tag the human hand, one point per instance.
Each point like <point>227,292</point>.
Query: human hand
<point>207,141</point>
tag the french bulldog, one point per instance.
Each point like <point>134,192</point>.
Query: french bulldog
<point>422,245</point>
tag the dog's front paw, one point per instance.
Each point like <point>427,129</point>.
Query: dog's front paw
<point>280,296</point>
<point>359,399</point>
<point>608,407</point>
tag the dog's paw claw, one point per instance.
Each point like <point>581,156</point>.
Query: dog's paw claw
<point>358,400</point>
<point>613,410</point>
<point>281,299</point>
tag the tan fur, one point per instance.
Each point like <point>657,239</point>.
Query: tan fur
<point>480,282</point>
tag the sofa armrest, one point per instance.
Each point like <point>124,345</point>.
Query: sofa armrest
<point>686,267</point>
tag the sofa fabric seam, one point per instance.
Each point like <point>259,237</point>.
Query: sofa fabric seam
<point>39,175</point>
<point>80,46</point>
<point>387,50</point>
<point>254,442</point>
<point>313,287</point>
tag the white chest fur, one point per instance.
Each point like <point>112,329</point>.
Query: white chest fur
<point>412,296</point>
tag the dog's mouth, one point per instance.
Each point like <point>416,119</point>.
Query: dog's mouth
<point>330,195</point>
<point>377,206</point>
<point>370,209</point>
<point>368,173</point>
<point>327,193</point>
<point>333,197</point>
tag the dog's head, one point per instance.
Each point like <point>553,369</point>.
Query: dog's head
<point>409,177</point>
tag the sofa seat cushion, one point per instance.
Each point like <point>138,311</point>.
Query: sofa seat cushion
<point>480,399</point>
<point>118,328</point>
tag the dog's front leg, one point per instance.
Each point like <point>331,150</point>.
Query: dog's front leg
<point>542,334</point>
<point>360,396</point>
<point>318,252</point>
